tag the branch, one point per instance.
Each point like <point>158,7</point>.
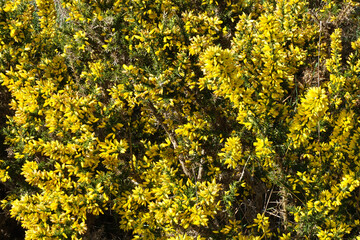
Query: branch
<point>171,135</point>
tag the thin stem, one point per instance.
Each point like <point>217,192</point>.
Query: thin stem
<point>318,80</point>
<point>170,134</point>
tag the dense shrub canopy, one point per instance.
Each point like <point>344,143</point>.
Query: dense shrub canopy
<point>182,119</point>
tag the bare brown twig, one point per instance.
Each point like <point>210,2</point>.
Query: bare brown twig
<point>170,134</point>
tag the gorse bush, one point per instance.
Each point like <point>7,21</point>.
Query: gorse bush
<point>182,119</point>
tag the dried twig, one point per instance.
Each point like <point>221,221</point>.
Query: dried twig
<point>170,134</point>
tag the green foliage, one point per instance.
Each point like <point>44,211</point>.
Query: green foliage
<point>182,119</point>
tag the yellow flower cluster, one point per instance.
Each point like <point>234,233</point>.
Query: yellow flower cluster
<point>181,119</point>
<point>232,152</point>
<point>313,107</point>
